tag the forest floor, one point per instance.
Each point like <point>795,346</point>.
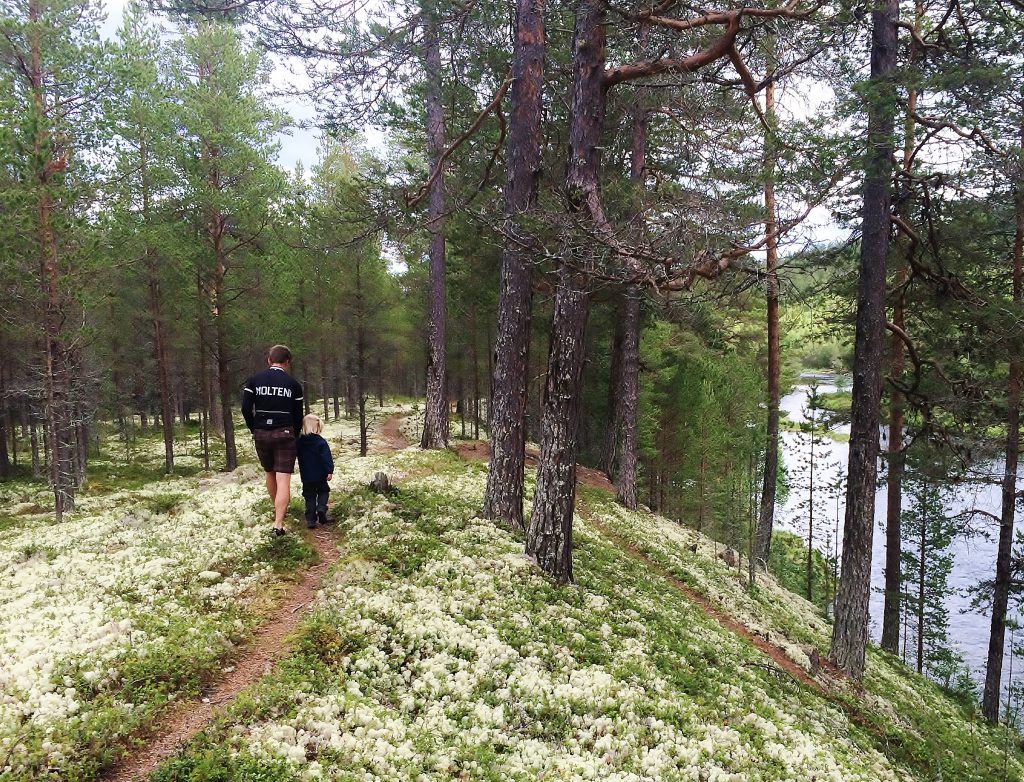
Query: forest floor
<point>271,641</point>
<point>413,641</point>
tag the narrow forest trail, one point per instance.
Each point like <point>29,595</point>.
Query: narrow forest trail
<point>476,450</point>
<point>271,641</point>
<point>773,651</point>
<point>391,434</point>
<point>597,479</point>
<point>830,679</point>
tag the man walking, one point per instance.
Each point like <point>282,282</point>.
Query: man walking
<point>272,408</point>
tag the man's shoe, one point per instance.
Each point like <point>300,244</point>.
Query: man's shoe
<point>278,531</point>
<point>321,517</point>
<point>311,524</point>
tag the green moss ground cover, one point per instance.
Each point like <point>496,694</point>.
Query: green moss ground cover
<point>438,652</point>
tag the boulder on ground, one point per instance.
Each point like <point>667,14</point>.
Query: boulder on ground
<point>729,557</point>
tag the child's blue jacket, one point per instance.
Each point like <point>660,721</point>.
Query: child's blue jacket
<point>315,461</point>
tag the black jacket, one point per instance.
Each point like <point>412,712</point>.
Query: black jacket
<point>315,461</point>
<point>272,399</point>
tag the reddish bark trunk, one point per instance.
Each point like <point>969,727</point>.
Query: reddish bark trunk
<point>766,514</point>
<point>435,419</point>
<point>850,632</point>
<point>549,537</point>
<point>57,380</point>
<point>506,413</point>
<point>1001,590</point>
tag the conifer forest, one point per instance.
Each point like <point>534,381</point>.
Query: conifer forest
<point>511,391</point>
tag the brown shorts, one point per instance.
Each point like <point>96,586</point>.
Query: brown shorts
<point>276,449</point>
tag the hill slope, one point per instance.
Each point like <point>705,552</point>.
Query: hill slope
<point>438,652</point>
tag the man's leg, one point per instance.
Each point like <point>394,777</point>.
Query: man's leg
<point>282,496</point>
<point>271,485</point>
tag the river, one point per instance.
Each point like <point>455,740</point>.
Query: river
<point>974,557</point>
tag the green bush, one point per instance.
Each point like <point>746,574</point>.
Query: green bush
<point>217,764</point>
<point>787,561</point>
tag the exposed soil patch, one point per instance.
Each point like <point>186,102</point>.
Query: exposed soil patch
<point>270,643</point>
<point>774,652</point>
<point>391,434</point>
<point>476,450</point>
<point>473,450</point>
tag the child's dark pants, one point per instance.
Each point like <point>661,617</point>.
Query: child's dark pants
<point>315,495</point>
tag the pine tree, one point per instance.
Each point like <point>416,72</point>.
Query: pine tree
<point>56,68</point>
<point>143,120</point>
<point>229,182</point>
<point>850,632</point>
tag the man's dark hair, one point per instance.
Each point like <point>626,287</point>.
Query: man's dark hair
<point>279,354</point>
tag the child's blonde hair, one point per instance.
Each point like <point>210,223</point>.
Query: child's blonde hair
<point>312,424</point>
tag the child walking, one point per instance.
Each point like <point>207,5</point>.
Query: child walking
<point>316,468</point>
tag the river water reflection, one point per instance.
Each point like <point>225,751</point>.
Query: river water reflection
<point>974,558</point>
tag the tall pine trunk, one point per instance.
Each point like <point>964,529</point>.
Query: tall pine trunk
<point>6,428</point>
<point>220,334</point>
<point>850,632</point>
<point>160,353</point>
<point>613,420</point>
<point>33,439</point>
<point>629,380</point>
<point>506,413</point>
<point>766,512</point>
<point>549,537</point>
<point>896,458</point>
<point>216,227</point>
<point>204,373</point>
<point>156,314</point>
<point>629,398</point>
<point>57,370</point>
<point>894,488</point>
<point>474,359</point>
<point>435,420</point>
<point>921,573</point>
<point>1001,590</point>
<point>810,523</point>
<point>360,383</point>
